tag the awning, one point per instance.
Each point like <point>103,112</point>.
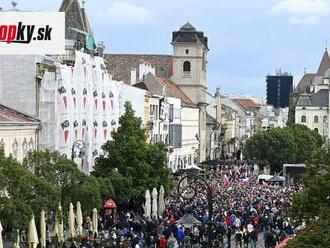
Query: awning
<point>110,204</point>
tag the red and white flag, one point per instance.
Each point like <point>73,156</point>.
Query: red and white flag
<point>226,181</point>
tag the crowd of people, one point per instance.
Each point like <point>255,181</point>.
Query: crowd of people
<point>246,213</point>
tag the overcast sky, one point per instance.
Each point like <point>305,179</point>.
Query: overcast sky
<point>247,38</point>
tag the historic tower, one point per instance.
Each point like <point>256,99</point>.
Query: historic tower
<point>189,73</point>
<point>190,62</point>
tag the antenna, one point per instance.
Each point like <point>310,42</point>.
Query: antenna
<point>326,44</point>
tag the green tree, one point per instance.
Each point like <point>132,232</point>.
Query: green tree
<point>131,164</point>
<point>22,193</point>
<point>312,205</point>
<point>292,144</point>
<point>72,184</point>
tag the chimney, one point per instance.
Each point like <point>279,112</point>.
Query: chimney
<point>133,76</point>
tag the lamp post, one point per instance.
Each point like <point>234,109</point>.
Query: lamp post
<point>79,145</point>
<point>192,184</point>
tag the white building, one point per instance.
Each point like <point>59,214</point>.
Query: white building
<point>18,132</point>
<point>272,118</point>
<point>178,127</point>
<point>312,109</point>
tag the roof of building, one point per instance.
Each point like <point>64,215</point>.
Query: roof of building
<point>318,99</point>
<point>325,64</point>
<point>121,65</point>
<point>188,27</point>
<point>246,103</point>
<point>189,34</point>
<point>141,86</point>
<point>175,91</point>
<point>9,115</point>
<point>308,78</point>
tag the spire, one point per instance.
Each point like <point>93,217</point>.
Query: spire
<point>325,63</point>
<point>75,17</point>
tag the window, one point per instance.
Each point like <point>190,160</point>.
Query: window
<point>187,51</point>
<point>171,113</point>
<point>316,130</point>
<point>15,148</point>
<point>303,119</point>
<point>316,119</point>
<point>325,118</point>
<point>24,147</point>
<point>186,66</point>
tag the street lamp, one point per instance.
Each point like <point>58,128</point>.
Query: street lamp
<point>80,146</point>
<point>189,186</point>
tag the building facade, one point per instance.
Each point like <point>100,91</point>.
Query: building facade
<point>279,89</point>
<point>19,133</point>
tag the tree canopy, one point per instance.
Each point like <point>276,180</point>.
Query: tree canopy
<point>292,144</point>
<point>130,163</point>
<point>312,205</point>
<point>42,181</point>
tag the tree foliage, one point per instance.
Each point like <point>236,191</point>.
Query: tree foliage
<point>22,192</point>
<point>312,205</point>
<point>293,144</point>
<point>72,184</point>
<point>131,164</point>
<point>42,181</point>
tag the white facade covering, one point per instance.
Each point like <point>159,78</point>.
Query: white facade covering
<point>83,103</point>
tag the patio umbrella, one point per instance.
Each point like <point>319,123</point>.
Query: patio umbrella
<point>1,243</point>
<point>161,201</point>
<point>79,220</point>
<point>95,221</point>
<point>42,229</point>
<point>32,234</point>
<point>17,240</point>
<point>71,222</point>
<point>60,234</point>
<point>147,205</point>
<point>154,202</point>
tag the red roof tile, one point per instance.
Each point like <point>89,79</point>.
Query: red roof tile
<point>11,115</point>
<point>246,103</point>
<point>175,91</point>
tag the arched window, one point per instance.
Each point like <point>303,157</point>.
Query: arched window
<point>303,118</point>
<point>186,66</point>
<point>316,119</point>
<point>316,130</point>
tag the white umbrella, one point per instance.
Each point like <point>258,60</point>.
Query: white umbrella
<point>79,220</point>
<point>154,202</point>
<point>32,234</point>
<point>95,221</point>
<point>17,240</point>
<point>147,205</point>
<point>71,221</point>
<point>1,243</point>
<point>161,201</point>
<point>42,229</point>
<point>60,234</point>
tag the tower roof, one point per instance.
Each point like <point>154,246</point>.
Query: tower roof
<point>189,34</point>
<point>188,28</point>
<point>75,17</point>
<point>325,64</point>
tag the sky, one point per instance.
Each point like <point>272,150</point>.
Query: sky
<point>248,39</point>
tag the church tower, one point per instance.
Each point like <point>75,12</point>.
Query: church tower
<point>190,50</point>
<point>189,73</point>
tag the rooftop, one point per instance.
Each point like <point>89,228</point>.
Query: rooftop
<point>8,115</point>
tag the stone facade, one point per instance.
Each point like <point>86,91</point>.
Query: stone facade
<point>121,65</point>
<point>18,82</point>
